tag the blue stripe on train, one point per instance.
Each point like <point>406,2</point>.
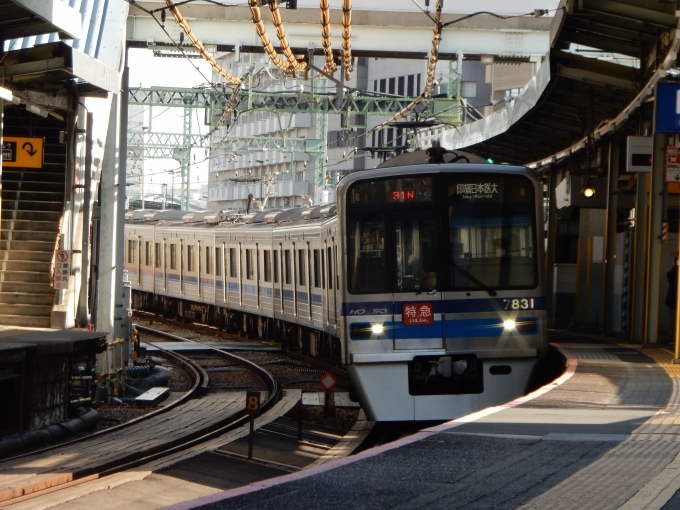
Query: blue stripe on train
<point>457,328</point>
<point>445,306</point>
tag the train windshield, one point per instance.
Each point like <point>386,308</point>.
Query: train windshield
<point>491,232</point>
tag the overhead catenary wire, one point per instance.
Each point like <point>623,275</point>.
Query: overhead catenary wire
<point>199,45</point>
<point>434,54</point>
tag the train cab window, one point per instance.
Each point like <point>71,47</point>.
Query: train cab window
<point>233,266</point>
<point>287,267</point>
<point>173,256</point>
<point>302,277</point>
<point>276,266</point>
<point>329,265</point>
<point>208,260</point>
<point>191,258</point>
<point>491,232</point>
<point>147,253</point>
<point>367,259</point>
<point>318,269</point>
<point>218,262</point>
<point>132,249</point>
<point>415,251</point>
<point>267,265</point>
<point>250,265</point>
<point>158,258</point>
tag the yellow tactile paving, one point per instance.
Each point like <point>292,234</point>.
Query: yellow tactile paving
<point>662,356</point>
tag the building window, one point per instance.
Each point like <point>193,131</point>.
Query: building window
<point>158,259</point>
<point>392,86</point>
<point>418,85</point>
<point>375,85</point>
<point>390,136</point>
<point>383,86</point>
<point>401,87</point>
<point>410,85</point>
<point>173,256</point>
<point>468,89</point>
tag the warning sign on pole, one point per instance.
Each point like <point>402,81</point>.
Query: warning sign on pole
<point>62,269</point>
<point>672,166</point>
<point>664,232</point>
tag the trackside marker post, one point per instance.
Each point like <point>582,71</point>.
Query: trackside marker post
<point>253,409</point>
<point>328,381</point>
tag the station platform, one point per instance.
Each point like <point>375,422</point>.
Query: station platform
<point>606,434</point>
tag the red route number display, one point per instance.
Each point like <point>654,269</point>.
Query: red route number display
<point>403,195</point>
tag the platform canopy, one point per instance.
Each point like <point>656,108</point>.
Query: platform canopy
<point>574,93</point>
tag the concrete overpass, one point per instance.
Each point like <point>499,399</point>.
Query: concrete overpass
<point>394,30</point>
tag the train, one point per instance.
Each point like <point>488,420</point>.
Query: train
<point>425,282</point>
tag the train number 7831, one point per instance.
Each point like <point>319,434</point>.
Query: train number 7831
<point>518,304</point>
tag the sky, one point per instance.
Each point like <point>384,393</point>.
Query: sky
<point>149,71</point>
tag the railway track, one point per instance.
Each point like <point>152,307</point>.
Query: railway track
<point>182,425</point>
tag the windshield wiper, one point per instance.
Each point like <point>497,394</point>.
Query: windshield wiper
<point>421,287</point>
<point>474,280</point>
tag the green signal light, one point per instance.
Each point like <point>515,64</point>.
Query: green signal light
<point>490,160</point>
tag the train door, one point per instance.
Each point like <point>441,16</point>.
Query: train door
<point>416,300</point>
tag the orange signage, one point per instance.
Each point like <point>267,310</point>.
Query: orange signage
<point>26,152</point>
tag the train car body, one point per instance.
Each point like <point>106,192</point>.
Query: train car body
<point>424,282</point>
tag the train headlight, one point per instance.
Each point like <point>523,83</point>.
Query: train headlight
<point>509,324</point>
<point>377,329</point>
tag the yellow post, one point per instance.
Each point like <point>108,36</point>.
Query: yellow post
<point>677,313</point>
<point>589,269</point>
<point>577,315</point>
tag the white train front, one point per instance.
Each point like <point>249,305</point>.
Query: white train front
<point>426,284</point>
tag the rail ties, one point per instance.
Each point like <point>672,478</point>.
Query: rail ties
<point>188,423</point>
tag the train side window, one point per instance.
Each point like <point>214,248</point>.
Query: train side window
<point>287,264</point>
<point>173,256</point>
<point>250,267</point>
<point>132,248</point>
<point>302,280</point>
<point>233,266</point>
<point>276,266</point>
<point>157,255</point>
<point>191,258</point>
<point>329,265</point>
<point>218,262</point>
<point>318,270</point>
<point>267,266</point>
<point>147,253</point>
<point>208,260</point>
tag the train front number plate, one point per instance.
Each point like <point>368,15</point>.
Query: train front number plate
<point>417,314</point>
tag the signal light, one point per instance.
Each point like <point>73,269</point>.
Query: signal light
<point>490,160</point>
<point>588,192</point>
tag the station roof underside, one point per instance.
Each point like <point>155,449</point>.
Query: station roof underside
<point>573,94</point>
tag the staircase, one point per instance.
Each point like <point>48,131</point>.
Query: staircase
<point>31,208</point>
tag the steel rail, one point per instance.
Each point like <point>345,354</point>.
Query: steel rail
<point>200,382</point>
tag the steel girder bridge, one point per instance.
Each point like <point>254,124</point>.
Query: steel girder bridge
<point>355,106</point>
